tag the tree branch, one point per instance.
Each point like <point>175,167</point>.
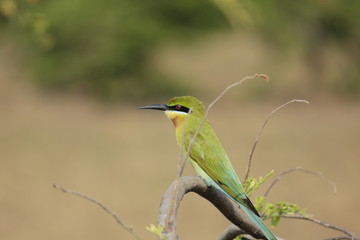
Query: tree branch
<point>219,200</point>
<point>339,238</point>
<point>349,234</point>
<point>241,224</point>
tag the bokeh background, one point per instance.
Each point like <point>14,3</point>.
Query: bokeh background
<point>73,72</point>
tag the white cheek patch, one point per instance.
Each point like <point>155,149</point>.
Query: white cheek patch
<point>173,114</point>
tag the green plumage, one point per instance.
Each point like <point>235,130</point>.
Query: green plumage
<point>207,155</point>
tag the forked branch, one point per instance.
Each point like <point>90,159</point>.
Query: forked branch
<point>241,224</point>
<point>219,200</point>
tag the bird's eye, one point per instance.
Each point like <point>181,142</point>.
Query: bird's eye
<point>177,107</point>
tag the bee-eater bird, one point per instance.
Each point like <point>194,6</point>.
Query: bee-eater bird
<point>207,155</point>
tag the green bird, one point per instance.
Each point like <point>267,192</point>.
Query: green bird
<point>207,155</point>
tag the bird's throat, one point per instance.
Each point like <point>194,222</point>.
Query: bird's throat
<point>177,118</point>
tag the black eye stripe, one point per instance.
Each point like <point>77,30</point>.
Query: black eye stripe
<point>179,108</point>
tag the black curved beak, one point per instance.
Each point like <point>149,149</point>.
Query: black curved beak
<point>161,107</point>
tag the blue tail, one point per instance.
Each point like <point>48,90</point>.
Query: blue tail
<point>259,222</point>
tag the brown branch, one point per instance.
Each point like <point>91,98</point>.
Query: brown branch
<point>299,169</point>
<point>261,130</point>
<point>338,238</point>
<point>241,223</point>
<point>218,199</point>
<point>324,224</point>
<point>106,209</point>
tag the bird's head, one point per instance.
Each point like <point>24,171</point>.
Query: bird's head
<point>178,108</point>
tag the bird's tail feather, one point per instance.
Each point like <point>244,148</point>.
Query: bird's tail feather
<point>259,222</point>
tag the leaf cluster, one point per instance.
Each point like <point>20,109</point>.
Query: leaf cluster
<point>252,184</point>
<point>272,211</point>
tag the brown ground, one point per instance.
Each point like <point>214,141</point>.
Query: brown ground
<point>126,159</point>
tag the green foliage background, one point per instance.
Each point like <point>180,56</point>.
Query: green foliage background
<point>103,47</point>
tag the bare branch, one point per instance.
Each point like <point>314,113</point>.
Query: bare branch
<point>324,224</point>
<point>338,238</point>
<point>106,209</point>
<point>241,223</point>
<point>281,175</point>
<point>261,130</point>
<point>218,199</point>
<point>264,76</point>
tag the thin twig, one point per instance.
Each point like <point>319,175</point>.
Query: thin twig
<point>261,130</point>
<point>324,224</point>
<point>339,238</point>
<point>299,169</point>
<point>264,76</point>
<point>106,209</point>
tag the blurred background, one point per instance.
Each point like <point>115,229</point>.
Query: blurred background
<point>73,72</point>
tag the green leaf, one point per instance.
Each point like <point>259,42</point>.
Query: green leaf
<point>275,211</point>
<point>156,230</point>
<point>252,184</point>
<point>259,203</point>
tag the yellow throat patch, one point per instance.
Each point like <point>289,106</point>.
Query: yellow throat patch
<point>177,118</point>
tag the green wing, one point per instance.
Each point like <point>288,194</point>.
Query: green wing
<point>212,161</point>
